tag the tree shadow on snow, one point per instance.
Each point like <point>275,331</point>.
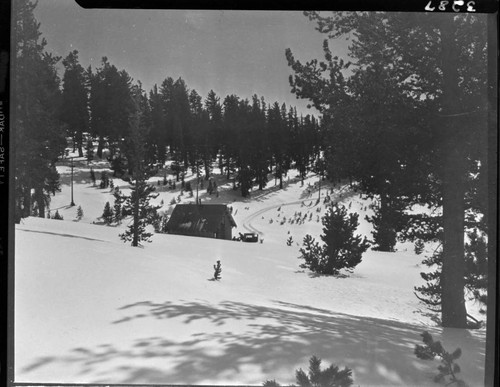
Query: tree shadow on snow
<point>277,340</point>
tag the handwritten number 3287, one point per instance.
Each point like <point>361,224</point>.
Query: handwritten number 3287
<point>456,4</point>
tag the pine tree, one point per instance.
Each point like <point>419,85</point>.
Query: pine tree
<point>316,377</point>
<point>386,223</point>
<point>104,180</point>
<point>89,150</point>
<point>110,104</point>
<point>419,246</point>
<point>37,99</point>
<point>341,249</point>
<point>117,207</point>
<point>107,214</point>
<point>74,107</point>
<point>448,368</point>
<point>92,176</point>
<point>57,216</point>
<point>138,202</point>
<point>79,213</point>
<point>143,213</point>
<point>217,271</point>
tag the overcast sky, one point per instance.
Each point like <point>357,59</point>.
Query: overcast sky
<point>240,52</point>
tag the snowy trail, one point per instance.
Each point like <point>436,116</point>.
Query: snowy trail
<point>248,221</point>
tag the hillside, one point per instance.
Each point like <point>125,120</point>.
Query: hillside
<point>91,309</point>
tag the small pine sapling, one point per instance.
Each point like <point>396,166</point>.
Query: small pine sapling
<point>448,368</point>
<point>107,214</point>
<point>79,213</point>
<point>104,180</point>
<point>117,206</point>
<point>217,271</point>
<point>419,246</point>
<point>58,216</point>
<point>316,377</point>
<point>289,241</point>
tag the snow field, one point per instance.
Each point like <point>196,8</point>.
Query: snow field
<point>91,309</point>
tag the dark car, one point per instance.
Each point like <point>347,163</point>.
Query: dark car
<point>250,237</point>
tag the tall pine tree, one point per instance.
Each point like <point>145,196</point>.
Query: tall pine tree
<point>39,135</point>
<point>74,107</point>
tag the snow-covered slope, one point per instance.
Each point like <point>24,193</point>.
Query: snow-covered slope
<point>91,309</point>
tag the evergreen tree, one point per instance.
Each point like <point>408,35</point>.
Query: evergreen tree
<point>92,176</point>
<point>107,214</point>
<point>217,271</point>
<point>36,101</point>
<point>110,104</point>
<point>143,213</point>
<point>341,249</point>
<point>79,213</point>
<point>89,150</point>
<point>386,223</point>
<point>117,207</point>
<point>104,180</point>
<point>215,128</point>
<point>74,107</point>
<point>316,377</point>
<point>278,138</point>
<point>158,134</point>
<point>138,202</point>
<point>448,368</point>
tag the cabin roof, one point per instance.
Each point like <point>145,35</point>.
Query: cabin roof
<point>193,218</point>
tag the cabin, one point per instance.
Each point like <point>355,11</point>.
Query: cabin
<point>201,220</point>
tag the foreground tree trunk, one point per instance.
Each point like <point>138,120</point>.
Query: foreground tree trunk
<point>453,313</point>
<point>135,237</point>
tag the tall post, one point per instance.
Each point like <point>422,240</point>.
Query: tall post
<point>72,202</point>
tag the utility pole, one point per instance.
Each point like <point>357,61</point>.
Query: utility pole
<point>72,202</point>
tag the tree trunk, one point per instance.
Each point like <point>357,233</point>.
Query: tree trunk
<point>135,237</point>
<point>453,313</point>
<point>79,141</point>
<point>40,201</point>
<point>207,168</point>
<point>491,361</point>
<point>100,146</point>
<point>26,210</point>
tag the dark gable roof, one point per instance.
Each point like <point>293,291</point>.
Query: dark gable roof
<point>195,218</point>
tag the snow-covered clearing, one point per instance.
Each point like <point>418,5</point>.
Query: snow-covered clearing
<point>91,309</point>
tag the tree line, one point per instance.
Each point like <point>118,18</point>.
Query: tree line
<point>246,139</point>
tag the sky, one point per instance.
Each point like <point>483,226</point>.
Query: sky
<point>231,52</point>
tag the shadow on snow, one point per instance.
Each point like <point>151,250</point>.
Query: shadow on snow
<point>276,339</point>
